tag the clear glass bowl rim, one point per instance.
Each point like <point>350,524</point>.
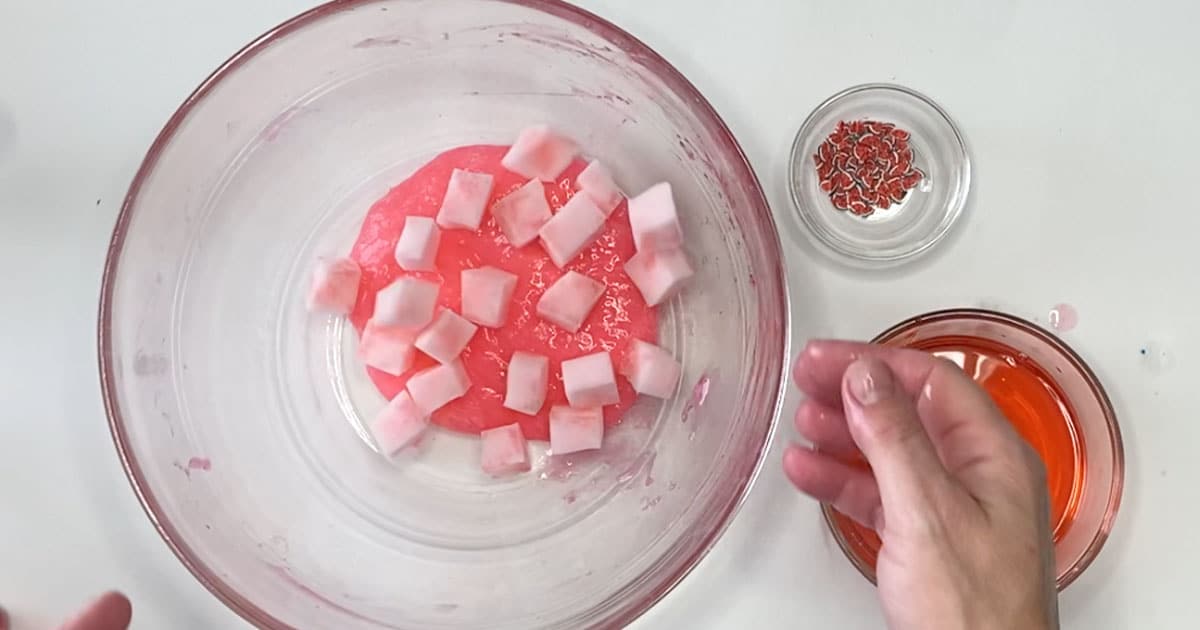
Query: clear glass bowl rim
<point>1116,486</point>
<point>676,81</point>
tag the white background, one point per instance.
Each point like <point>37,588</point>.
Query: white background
<point>1081,119</point>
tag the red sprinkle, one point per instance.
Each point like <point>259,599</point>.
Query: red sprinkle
<point>866,165</point>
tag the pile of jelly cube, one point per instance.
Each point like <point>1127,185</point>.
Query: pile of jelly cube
<point>406,319</point>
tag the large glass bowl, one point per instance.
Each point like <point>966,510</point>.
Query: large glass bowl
<point>238,415</point>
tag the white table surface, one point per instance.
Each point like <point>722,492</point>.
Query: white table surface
<point>1080,119</point>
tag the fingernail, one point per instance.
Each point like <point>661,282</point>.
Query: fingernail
<point>869,381</point>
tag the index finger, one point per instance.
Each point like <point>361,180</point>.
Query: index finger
<point>820,366</point>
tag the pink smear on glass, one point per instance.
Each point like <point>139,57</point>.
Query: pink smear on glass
<point>699,395</point>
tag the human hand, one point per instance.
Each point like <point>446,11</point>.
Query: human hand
<point>111,611</point>
<point>958,498</point>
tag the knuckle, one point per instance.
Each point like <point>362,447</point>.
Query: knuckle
<point>944,371</point>
<point>931,524</point>
<point>1024,472</point>
<point>1034,465</point>
<point>944,367</point>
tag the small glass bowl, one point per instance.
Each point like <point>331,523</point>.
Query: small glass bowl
<point>1096,426</point>
<point>905,229</point>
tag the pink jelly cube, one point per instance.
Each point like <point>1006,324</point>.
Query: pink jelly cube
<point>446,337</point>
<point>651,370</point>
<point>521,213</point>
<point>528,375</point>
<point>334,286</point>
<point>486,295</point>
<point>569,300</point>
<point>575,226</point>
<point>418,244</point>
<point>658,275</point>
<point>540,152</point>
<point>596,181</point>
<point>407,303</point>
<point>589,381</point>
<point>573,430</point>
<point>398,425</point>
<point>431,389</point>
<point>466,197</point>
<point>503,450</point>
<point>387,348</point>
<point>654,220</point>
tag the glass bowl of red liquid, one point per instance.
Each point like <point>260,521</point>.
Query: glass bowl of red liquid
<point>920,211</point>
<point>239,416</point>
<point>1053,400</point>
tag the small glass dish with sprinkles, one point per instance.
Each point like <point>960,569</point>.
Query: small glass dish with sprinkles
<point>878,174</point>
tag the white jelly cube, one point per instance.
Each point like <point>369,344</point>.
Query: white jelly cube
<point>446,337</point>
<point>387,348</point>
<point>486,295</point>
<point>569,300</point>
<point>523,212</point>
<point>418,244</point>
<point>466,198</point>
<point>431,389</point>
<point>528,375</point>
<point>651,370</point>
<point>596,181</point>
<point>334,286</point>
<point>567,233</point>
<point>654,221</point>
<point>540,152</point>
<point>589,381</point>
<point>503,450</point>
<point>573,430</point>
<point>659,275</point>
<point>398,425</point>
<point>407,303</point>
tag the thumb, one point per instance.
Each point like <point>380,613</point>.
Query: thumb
<point>884,423</point>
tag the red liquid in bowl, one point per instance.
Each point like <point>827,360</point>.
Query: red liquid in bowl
<point>1035,406</point>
